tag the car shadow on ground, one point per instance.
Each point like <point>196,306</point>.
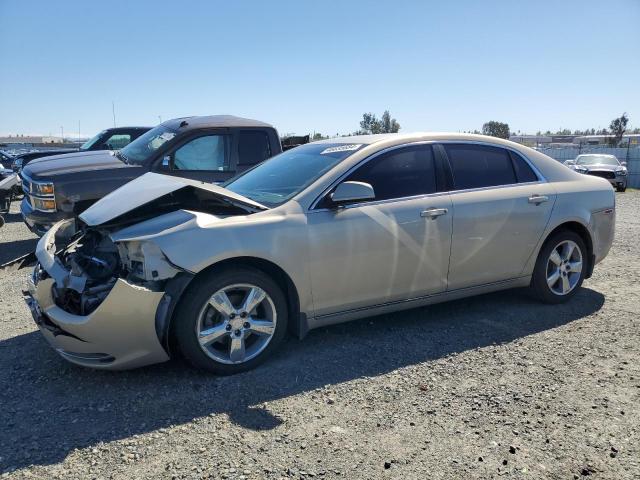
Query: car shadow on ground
<point>49,408</point>
<point>12,250</point>
<point>12,217</point>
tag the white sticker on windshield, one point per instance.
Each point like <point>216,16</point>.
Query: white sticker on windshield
<point>341,148</point>
<point>166,136</point>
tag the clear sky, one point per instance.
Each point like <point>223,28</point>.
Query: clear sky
<point>317,66</point>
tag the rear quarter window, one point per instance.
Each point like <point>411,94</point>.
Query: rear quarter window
<point>524,172</point>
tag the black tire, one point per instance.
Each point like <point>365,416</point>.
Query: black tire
<point>539,287</point>
<point>621,189</point>
<point>200,292</point>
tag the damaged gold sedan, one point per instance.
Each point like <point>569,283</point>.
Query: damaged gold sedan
<point>323,233</point>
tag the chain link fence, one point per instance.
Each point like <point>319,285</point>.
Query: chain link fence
<point>630,154</point>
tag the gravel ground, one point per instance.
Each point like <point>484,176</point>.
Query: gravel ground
<point>494,386</point>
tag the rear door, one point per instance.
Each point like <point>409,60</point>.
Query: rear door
<point>501,207</point>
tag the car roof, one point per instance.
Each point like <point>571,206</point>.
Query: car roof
<point>416,136</point>
<point>129,128</point>
<point>214,121</point>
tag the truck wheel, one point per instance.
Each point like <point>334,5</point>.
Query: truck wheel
<point>231,320</point>
<point>560,268</point>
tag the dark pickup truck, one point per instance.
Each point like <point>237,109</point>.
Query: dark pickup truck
<point>211,149</point>
<point>109,139</point>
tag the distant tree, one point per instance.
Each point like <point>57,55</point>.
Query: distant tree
<point>496,129</point>
<point>618,127</point>
<point>563,131</point>
<point>318,136</point>
<point>371,124</point>
<point>389,125</point>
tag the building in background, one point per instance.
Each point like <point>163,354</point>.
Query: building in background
<point>31,139</point>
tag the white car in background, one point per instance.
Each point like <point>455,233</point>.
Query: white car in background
<point>602,165</point>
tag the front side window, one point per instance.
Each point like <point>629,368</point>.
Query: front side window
<point>477,166</point>
<point>253,147</point>
<point>118,141</point>
<point>404,172</point>
<point>203,153</point>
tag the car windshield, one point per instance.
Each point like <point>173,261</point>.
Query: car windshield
<point>138,151</point>
<point>597,160</point>
<point>92,141</point>
<point>275,181</point>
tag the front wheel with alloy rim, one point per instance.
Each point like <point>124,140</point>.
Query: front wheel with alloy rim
<point>560,268</point>
<point>231,320</point>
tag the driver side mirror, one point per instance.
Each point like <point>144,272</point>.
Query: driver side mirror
<point>570,162</point>
<point>624,164</point>
<point>348,192</point>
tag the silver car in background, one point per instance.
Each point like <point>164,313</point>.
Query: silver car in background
<point>602,165</point>
<point>327,232</point>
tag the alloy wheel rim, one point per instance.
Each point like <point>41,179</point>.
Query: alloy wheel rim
<point>236,323</point>
<point>564,267</point>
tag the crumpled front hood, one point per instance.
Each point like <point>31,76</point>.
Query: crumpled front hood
<point>153,190</point>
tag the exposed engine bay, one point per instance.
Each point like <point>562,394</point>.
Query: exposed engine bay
<point>93,264</point>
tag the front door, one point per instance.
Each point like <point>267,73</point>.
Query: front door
<point>393,248</point>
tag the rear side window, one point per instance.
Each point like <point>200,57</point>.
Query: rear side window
<point>401,173</point>
<point>253,147</point>
<point>477,166</point>
<point>524,173</point>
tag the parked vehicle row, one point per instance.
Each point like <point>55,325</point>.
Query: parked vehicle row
<point>320,234</point>
<point>602,165</point>
<point>109,139</point>
<point>9,189</point>
<point>6,160</point>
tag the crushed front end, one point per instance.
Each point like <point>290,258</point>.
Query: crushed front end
<point>97,302</point>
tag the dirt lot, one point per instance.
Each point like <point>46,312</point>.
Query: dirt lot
<point>495,386</point>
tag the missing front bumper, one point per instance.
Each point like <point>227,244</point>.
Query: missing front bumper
<point>119,334</point>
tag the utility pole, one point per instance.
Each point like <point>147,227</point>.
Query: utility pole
<point>113,111</point>
<point>78,130</point>
<point>62,133</point>
<point>160,118</point>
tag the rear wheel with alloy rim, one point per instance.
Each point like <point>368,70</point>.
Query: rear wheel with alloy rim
<point>560,268</point>
<point>231,320</point>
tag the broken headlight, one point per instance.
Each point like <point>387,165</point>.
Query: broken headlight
<point>145,261</point>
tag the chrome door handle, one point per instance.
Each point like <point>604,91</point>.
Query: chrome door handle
<point>433,212</point>
<point>538,199</point>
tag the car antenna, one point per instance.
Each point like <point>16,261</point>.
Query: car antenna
<point>183,123</point>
